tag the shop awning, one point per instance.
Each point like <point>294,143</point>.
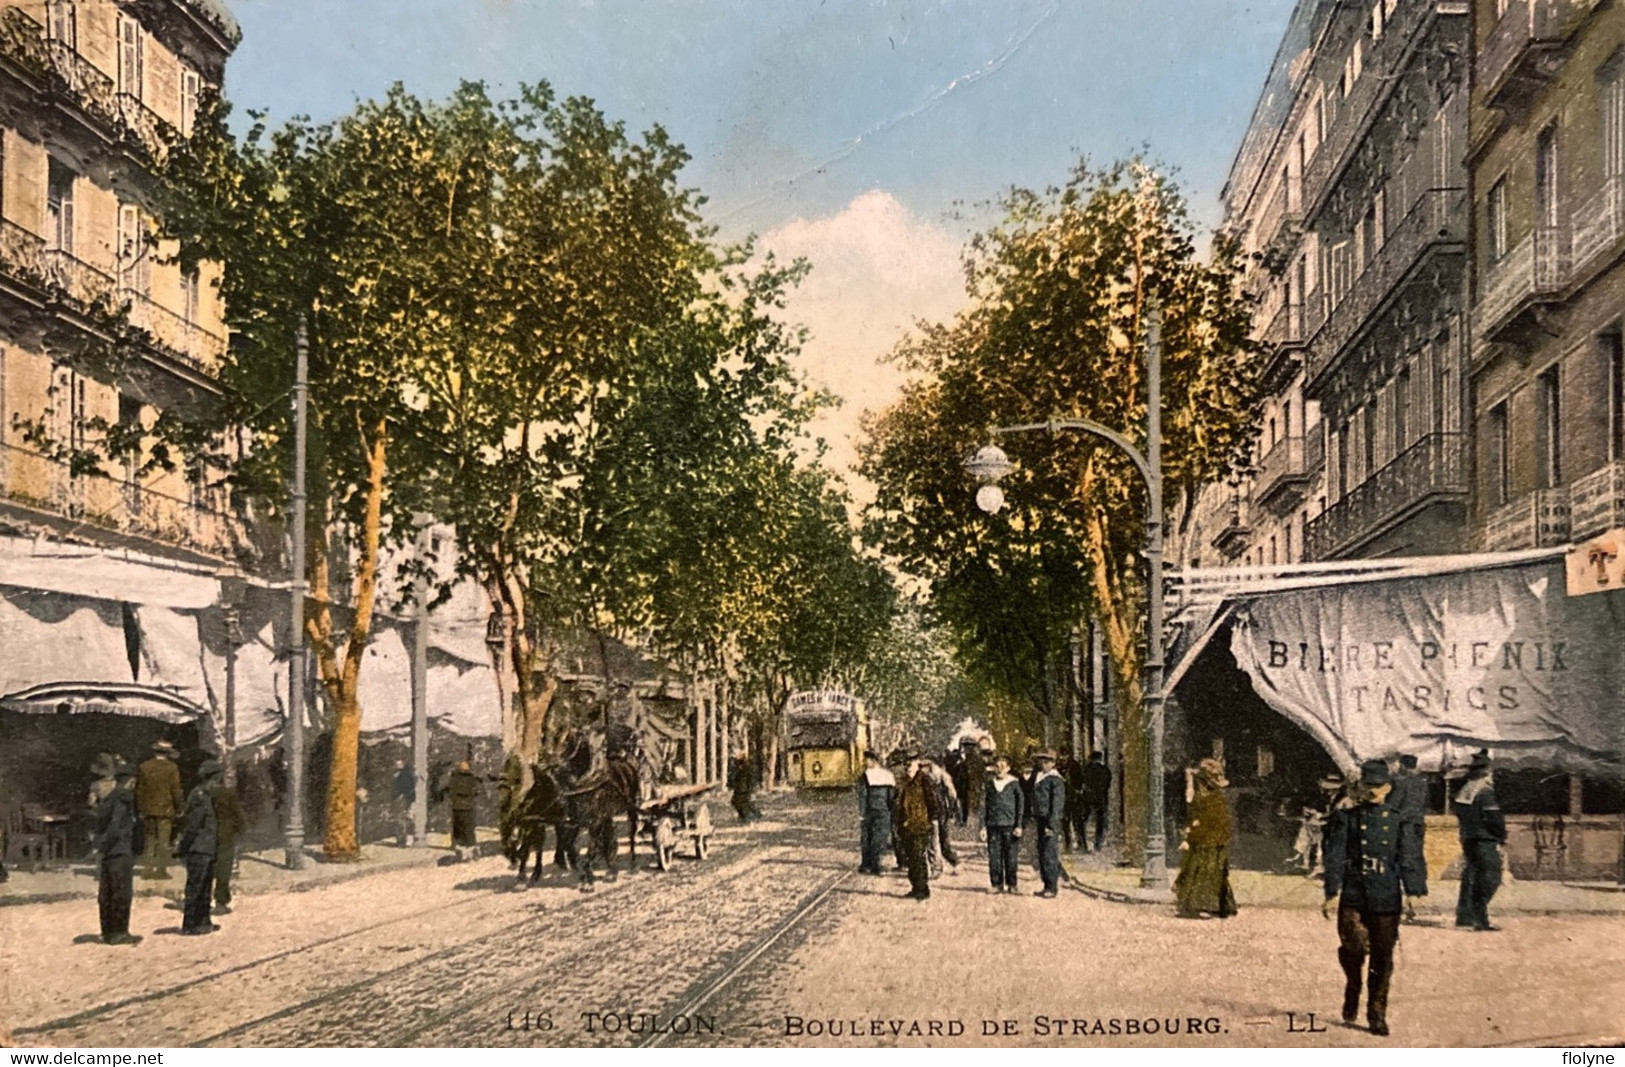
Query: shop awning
<point>1438,664</point>
<point>75,698</point>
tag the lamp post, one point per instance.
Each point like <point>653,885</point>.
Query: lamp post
<point>990,464</point>
<point>293,831</point>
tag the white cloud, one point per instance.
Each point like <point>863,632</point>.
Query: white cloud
<point>876,269</point>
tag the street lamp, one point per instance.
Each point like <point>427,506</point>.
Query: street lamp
<point>990,464</point>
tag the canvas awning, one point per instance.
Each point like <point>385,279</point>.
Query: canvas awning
<point>1440,664</point>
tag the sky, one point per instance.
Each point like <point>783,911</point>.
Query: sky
<point>871,137</point>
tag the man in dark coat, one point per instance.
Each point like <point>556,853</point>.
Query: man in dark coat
<point>742,782</point>
<point>1373,869</point>
<point>1004,809</point>
<point>876,788</point>
<point>918,811</point>
<point>1483,830</point>
<point>229,824</point>
<point>1410,796</point>
<point>198,845</point>
<point>1095,784</point>
<point>1049,808</point>
<point>159,797</point>
<point>119,839</point>
<point>462,791</point>
<point>976,760</point>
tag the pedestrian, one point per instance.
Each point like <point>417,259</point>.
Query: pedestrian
<point>918,810</point>
<point>197,846</point>
<point>897,762</point>
<point>947,811</point>
<point>1004,809</point>
<point>118,837</point>
<point>954,764</point>
<point>159,798</point>
<point>1203,886</point>
<point>462,791</point>
<point>1049,810</point>
<point>103,768</point>
<point>1483,830</point>
<point>1410,797</point>
<point>509,790</point>
<point>1373,853</point>
<point>403,792</point>
<point>978,757</point>
<point>742,781</point>
<point>229,825</point>
<point>876,789</point>
<point>1096,786</point>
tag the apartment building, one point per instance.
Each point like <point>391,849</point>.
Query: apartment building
<point>1547,157</point>
<point>97,328</point>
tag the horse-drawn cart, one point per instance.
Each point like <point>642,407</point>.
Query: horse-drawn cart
<point>676,813</point>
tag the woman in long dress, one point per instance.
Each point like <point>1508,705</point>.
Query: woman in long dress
<point>1203,887</point>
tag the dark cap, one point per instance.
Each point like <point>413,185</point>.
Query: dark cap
<point>1375,772</point>
<point>1046,755</point>
<point>209,768</point>
<point>1408,760</point>
<point>122,769</point>
<point>1480,761</point>
<point>870,753</point>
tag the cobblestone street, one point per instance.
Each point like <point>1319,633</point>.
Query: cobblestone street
<point>772,940</point>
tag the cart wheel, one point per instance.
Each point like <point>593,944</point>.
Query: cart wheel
<point>665,842</point>
<point>702,846</point>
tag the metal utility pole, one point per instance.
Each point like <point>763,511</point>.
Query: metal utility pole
<point>420,695</point>
<point>293,736</point>
<point>1155,874</point>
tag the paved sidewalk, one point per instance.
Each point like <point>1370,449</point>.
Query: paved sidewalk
<point>1098,876</point>
<point>257,872</point>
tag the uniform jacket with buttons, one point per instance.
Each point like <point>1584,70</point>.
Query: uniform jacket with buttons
<point>1373,855</point>
<point>1049,798</point>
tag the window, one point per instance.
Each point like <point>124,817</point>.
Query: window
<point>1286,541</point>
<point>190,295</point>
<point>59,207</point>
<point>189,94</point>
<point>1369,434</point>
<point>129,416</point>
<point>1498,462</point>
<point>1549,428</point>
<point>1613,352</point>
<point>68,406</point>
<point>134,262</point>
<point>1611,115</point>
<point>1402,403</point>
<point>62,22</point>
<point>1546,178</point>
<point>1286,418</point>
<point>1495,222</point>
<point>129,56</point>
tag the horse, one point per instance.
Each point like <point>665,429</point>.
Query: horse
<point>541,806</point>
<point>597,786</point>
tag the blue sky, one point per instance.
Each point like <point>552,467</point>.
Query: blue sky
<point>847,130</point>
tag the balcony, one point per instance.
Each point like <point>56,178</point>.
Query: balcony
<point>1347,118</point>
<point>1435,222</point>
<point>1597,501</point>
<point>1432,469</point>
<point>1236,536</point>
<point>1280,221</point>
<point>84,285</point>
<point>1598,224</point>
<point>173,333</point>
<point>1536,520</point>
<point>1287,469</point>
<point>1524,49</point>
<point>36,484</point>
<point>64,70</point>
<point>1534,273</point>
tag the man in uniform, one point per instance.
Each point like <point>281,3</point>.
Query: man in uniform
<point>1097,785</point>
<point>1049,808</point>
<point>229,823</point>
<point>1483,830</point>
<point>1004,807</point>
<point>1373,853</point>
<point>876,787</point>
<point>1410,796</point>
<point>917,809</point>
<point>119,832</point>
<point>158,797</point>
<point>198,844</point>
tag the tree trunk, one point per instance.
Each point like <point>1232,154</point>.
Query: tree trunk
<point>1115,598</point>
<point>341,678</point>
<point>525,718</point>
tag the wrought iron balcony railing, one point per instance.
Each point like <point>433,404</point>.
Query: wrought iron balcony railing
<point>1436,220</point>
<point>1535,520</point>
<point>1516,52</point>
<point>42,483</point>
<point>1599,223</point>
<point>1287,468</point>
<point>1236,534</point>
<point>1347,117</point>
<point>85,285</point>
<point>1537,270</point>
<point>1434,467</point>
<point>174,333</point>
<point>1597,501</point>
